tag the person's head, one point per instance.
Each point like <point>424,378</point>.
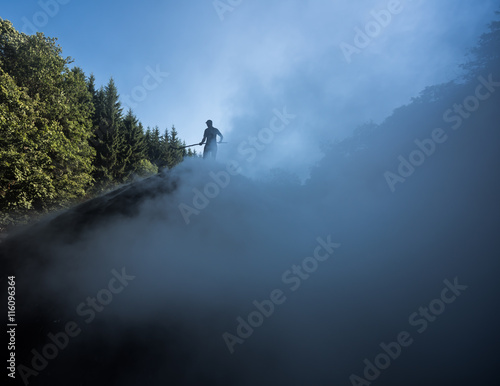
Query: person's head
<point>209,123</point>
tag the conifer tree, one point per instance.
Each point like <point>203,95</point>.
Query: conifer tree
<point>109,141</point>
<point>134,141</point>
<point>164,149</point>
<point>154,151</point>
<point>175,155</point>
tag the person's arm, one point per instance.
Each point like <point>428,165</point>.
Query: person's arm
<point>220,134</point>
<point>204,137</point>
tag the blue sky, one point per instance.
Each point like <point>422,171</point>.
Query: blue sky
<point>237,64</point>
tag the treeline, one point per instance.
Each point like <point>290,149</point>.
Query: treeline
<point>368,144</point>
<point>123,148</point>
<point>62,139</point>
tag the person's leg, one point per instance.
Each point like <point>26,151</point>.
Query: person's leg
<point>206,152</point>
<point>214,151</point>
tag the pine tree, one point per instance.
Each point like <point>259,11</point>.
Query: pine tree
<point>153,141</point>
<point>91,86</point>
<point>146,166</point>
<point>164,149</point>
<point>109,140</point>
<point>134,140</point>
<point>98,103</point>
<point>175,156</point>
<point>147,141</point>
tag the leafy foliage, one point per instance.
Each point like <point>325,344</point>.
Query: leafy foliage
<point>63,139</point>
<point>485,56</point>
<point>44,124</point>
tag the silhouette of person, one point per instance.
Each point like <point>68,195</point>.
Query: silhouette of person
<point>210,135</point>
